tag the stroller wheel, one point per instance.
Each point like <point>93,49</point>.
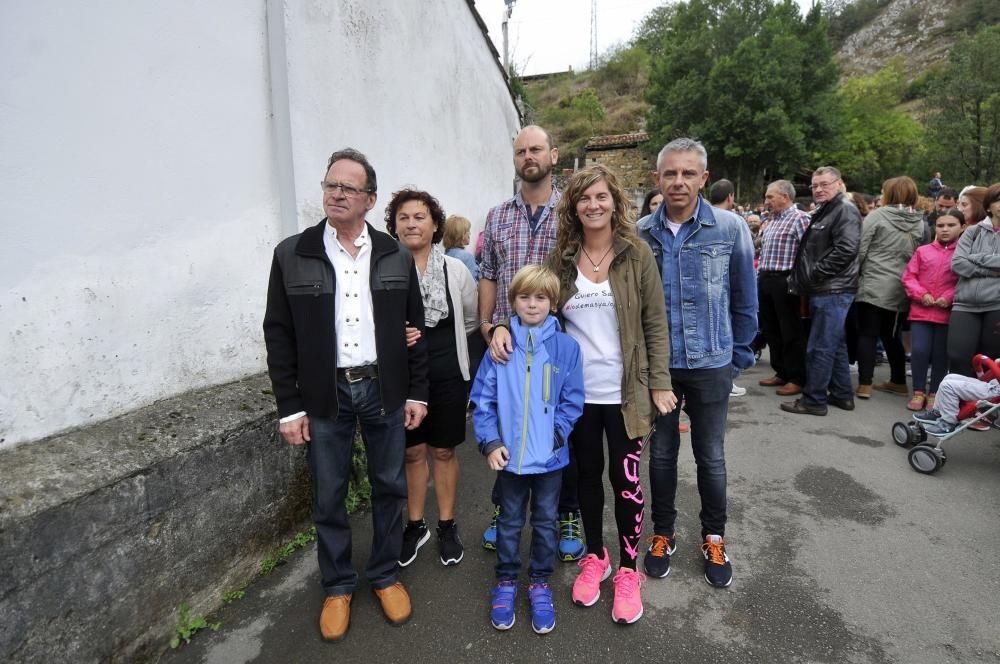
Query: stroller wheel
<point>901,434</point>
<point>924,459</point>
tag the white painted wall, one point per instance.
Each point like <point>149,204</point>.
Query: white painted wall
<point>140,186</point>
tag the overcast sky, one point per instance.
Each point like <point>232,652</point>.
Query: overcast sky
<point>553,35</point>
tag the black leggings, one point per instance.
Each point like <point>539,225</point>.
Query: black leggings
<point>878,323</point>
<point>587,439</point>
<point>969,334</point>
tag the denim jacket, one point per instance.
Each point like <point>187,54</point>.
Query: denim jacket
<point>716,311</point>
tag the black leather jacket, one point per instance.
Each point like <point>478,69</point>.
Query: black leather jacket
<point>827,259</point>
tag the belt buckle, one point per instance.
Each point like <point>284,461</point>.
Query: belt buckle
<point>348,374</point>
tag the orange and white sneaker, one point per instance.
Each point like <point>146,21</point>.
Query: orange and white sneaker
<point>587,587</point>
<point>628,600</point>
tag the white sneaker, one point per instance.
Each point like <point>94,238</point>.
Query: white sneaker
<point>737,391</point>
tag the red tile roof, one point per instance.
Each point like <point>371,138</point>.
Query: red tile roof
<point>616,141</point>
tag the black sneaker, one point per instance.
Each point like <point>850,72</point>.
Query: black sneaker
<point>415,536</point>
<point>927,417</point>
<point>657,560</point>
<point>450,545</point>
<point>718,571</point>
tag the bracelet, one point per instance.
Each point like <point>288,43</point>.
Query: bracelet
<point>485,322</point>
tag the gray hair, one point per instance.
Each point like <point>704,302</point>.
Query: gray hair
<point>824,170</point>
<point>783,187</point>
<point>683,145</point>
<point>350,154</point>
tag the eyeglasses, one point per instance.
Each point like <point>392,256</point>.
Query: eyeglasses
<point>822,185</point>
<point>349,191</point>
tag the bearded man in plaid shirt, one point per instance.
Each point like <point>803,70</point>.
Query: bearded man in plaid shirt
<point>522,231</point>
<point>779,311</point>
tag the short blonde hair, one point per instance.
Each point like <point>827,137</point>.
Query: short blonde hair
<point>455,228</point>
<point>532,279</point>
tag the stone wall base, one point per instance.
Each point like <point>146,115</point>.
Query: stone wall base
<point>106,530</point>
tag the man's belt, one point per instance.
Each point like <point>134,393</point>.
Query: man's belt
<point>775,273</point>
<point>358,374</point>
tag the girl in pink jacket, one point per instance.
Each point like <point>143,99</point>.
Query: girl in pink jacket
<point>930,285</point>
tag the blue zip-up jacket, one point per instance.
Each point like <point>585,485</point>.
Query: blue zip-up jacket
<point>531,403</point>
<point>709,285</point>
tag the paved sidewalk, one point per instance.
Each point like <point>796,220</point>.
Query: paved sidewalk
<point>841,553</point>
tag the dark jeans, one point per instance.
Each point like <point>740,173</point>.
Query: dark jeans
<point>515,491</point>
<point>827,370</point>
<point>624,454</point>
<point>970,334</point>
<point>930,348</point>
<point>706,401</point>
<point>330,463</point>
<point>782,325</point>
<point>876,323</point>
<point>569,500</point>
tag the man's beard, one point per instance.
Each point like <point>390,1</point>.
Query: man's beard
<point>543,172</point>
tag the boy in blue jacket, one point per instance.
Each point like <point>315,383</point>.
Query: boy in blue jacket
<point>525,410</point>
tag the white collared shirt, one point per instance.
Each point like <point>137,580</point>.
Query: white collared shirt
<point>353,301</point>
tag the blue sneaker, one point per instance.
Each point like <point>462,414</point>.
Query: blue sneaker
<point>543,612</point>
<point>927,417</point>
<point>502,604</point>
<point>941,428</point>
<point>490,534</point>
<point>570,543</point>
<point>718,570</point>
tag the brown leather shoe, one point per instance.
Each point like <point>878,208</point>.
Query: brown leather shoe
<point>773,381</point>
<point>893,388</point>
<point>864,392</point>
<point>395,603</point>
<point>336,617</point>
<point>789,390</point>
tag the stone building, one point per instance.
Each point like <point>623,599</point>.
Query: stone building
<point>622,154</point>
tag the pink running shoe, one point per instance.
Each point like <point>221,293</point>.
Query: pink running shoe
<point>587,587</point>
<point>628,601</point>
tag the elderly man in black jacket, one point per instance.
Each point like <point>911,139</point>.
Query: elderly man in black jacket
<point>338,302</point>
<point>826,271</point>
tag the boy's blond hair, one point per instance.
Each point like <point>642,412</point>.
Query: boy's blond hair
<point>532,279</point>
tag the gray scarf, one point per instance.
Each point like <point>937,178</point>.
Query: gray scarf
<point>432,287</point>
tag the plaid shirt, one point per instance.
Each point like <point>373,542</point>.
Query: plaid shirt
<point>780,240</point>
<point>509,244</point>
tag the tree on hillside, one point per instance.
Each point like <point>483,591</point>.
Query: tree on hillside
<point>875,141</point>
<point>753,79</point>
<point>964,126</point>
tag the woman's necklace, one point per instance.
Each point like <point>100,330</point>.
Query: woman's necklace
<point>597,265</point>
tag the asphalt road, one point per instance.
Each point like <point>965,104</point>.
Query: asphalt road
<point>841,553</point>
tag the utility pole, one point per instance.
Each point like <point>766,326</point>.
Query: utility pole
<point>506,17</point>
<point>593,34</point>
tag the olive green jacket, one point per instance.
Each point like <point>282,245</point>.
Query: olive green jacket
<point>889,236</point>
<point>642,325</point>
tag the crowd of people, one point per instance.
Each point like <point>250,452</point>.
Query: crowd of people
<point>577,335</point>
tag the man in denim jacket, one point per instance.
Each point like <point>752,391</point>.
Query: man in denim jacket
<point>705,256</point>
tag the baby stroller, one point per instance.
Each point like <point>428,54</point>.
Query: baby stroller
<point>927,458</point>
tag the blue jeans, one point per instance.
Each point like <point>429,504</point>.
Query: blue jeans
<point>330,463</point>
<point>706,401</point>
<point>543,489</point>
<point>827,368</point>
